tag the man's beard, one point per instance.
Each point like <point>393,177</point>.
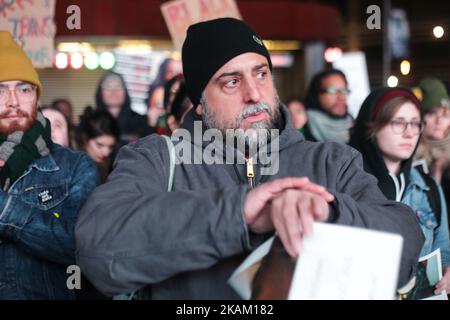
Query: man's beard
<point>258,134</point>
<point>23,124</point>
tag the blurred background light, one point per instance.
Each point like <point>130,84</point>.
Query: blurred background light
<point>76,60</point>
<point>405,67</point>
<point>107,60</point>
<point>392,81</point>
<point>91,61</point>
<point>61,60</point>
<point>438,31</point>
<point>332,54</point>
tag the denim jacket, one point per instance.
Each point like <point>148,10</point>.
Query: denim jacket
<point>435,236</point>
<point>37,220</point>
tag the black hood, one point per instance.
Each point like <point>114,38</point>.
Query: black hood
<point>125,111</point>
<point>132,125</point>
<point>373,159</point>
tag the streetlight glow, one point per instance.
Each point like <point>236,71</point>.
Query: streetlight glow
<point>438,32</point>
<point>392,81</point>
<point>405,67</point>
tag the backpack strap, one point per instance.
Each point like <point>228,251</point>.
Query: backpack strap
<point>135,294</point>
<point>171,150</point>
<point>433,194</point>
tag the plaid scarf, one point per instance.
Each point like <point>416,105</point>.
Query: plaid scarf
<point>19,149</point>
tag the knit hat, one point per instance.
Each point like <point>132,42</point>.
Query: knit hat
<point>434,94</point>
<point>14,63</point>
<point>211,44</point>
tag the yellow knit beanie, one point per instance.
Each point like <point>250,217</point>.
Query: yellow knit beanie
<point>14,63</point>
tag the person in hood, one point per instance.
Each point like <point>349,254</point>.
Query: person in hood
<point>182,236</point>
<point>386,132</point>
<point>326,104</point>
<point>112,96</point>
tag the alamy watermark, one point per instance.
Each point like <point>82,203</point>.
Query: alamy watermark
<point>374,20</point>
<point>234,146</point>
<point>73,22</point>
<point>74,279</point>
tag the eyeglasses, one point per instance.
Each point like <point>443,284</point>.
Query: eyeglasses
<point>25,92</point>
<point>400,126</point>
<point>445,113</point>
<point>333,90</point>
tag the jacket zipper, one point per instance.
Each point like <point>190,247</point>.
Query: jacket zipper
<point>250,173</point>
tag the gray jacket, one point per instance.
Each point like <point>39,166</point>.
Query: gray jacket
<point>132,233</point>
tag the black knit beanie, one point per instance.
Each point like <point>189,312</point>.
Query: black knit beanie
<point>211,44</point>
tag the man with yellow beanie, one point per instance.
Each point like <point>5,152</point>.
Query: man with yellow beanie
<point>42,186</point>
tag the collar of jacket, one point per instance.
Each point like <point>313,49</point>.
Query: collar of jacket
<point>416,179</point>
<point>46,164</point>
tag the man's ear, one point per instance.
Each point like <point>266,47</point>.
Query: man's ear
<point>199,109</point>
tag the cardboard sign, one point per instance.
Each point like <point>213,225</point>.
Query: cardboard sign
<point>354,66</point>
<point>31,24</point>
<point>180,14</point>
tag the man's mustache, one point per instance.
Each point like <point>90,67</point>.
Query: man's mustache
<point>17,113</point>
<point>252,109</point>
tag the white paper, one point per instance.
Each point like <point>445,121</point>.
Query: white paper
<point>433,265</point>
<point>341,262</point>
<point>242,278</point>
<point>354,66</point>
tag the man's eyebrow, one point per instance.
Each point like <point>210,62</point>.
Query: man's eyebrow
<point>260,66</point>
<point>237,73</point>
<point>24,82</point>
<point>228,74</point>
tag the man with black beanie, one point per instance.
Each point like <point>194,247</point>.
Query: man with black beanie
<point>180,234</point>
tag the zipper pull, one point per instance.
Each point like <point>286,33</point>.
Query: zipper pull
<point>250,173</point>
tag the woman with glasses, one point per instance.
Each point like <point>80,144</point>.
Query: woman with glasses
<point>386,132</point>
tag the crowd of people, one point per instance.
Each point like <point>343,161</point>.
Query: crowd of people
<point>100,192</point>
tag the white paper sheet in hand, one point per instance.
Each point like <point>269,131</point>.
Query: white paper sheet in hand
<point>434,272</point>
<point>340,262</point>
